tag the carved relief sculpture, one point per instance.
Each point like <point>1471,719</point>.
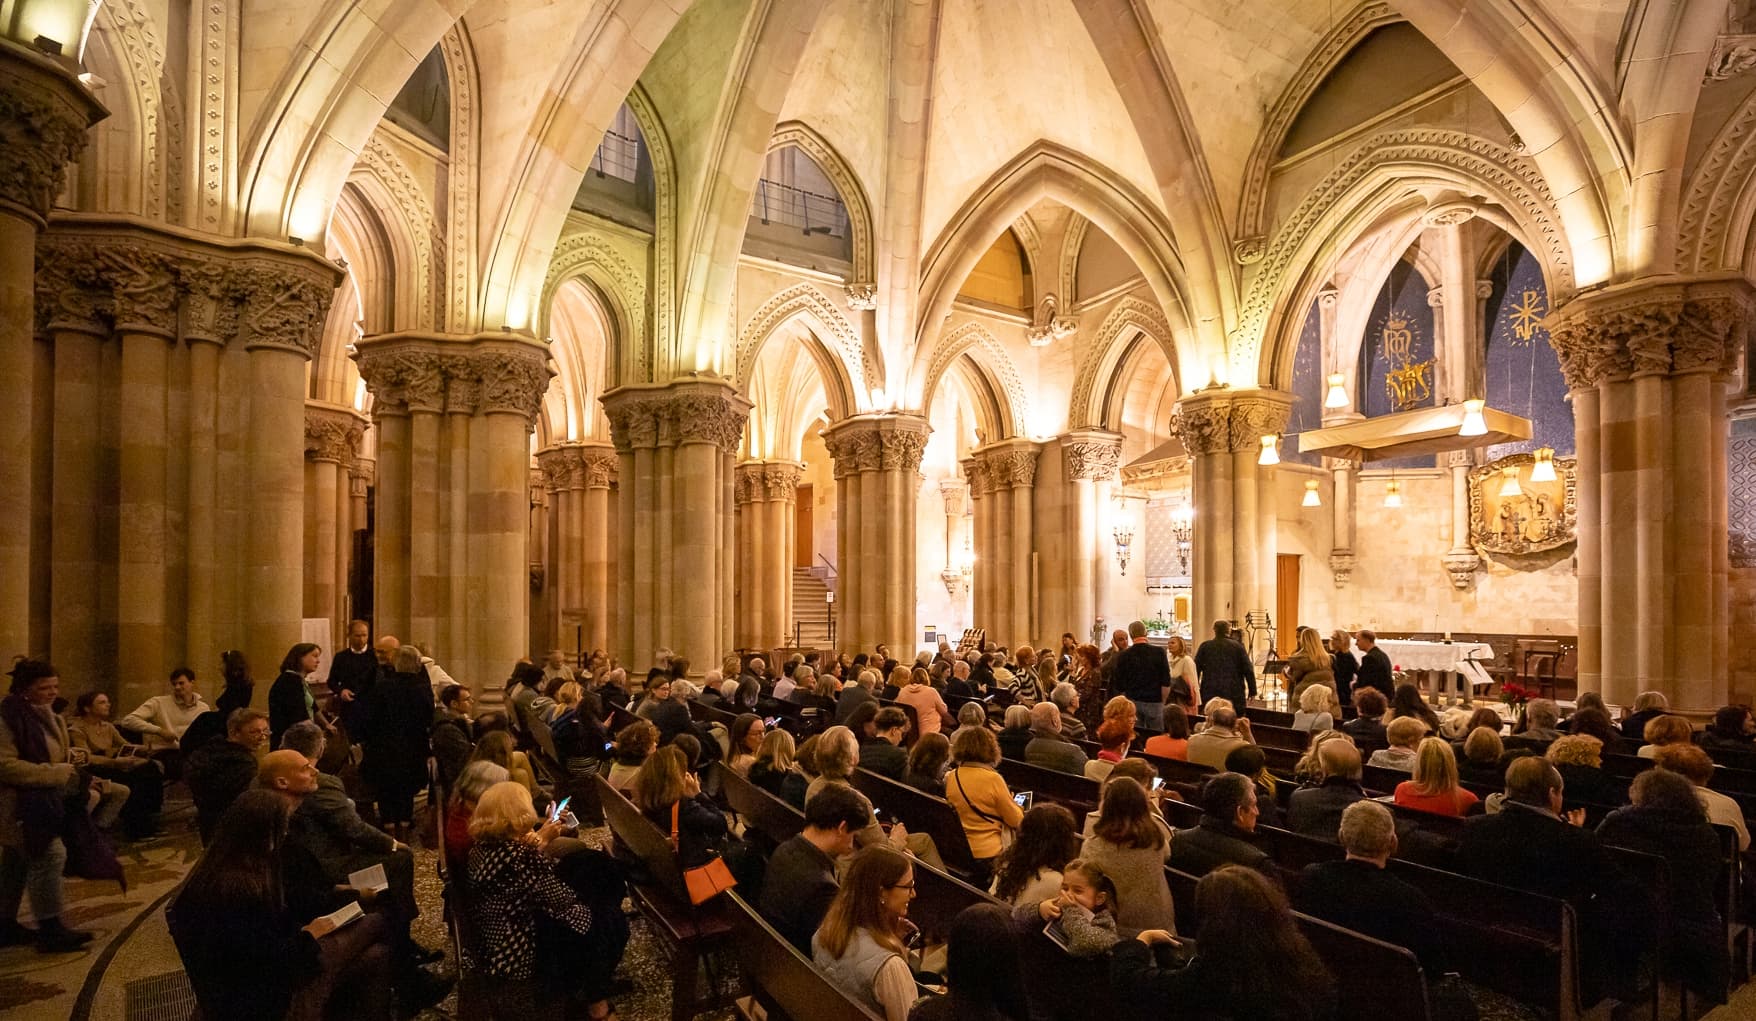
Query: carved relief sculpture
<point>1536,518</point>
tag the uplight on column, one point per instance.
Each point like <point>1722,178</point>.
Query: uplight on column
<point>1473,422</point>
<point>1544,469</point>
<point>1311,498</point>
<point>1337,395</point>
<point>1270,450</point>
<point>1393,494</point>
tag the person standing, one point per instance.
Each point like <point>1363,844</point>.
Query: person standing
<point>1107,662</point>
<point>1374,671</point>
<point>398,720</point>
<point>1142,674</point>
<point>36,776</point>
<point>1225,668</point>
<point>290,699</point>
<point>1343,662</point>
<point>351,675</point>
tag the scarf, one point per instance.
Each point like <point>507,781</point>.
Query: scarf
<point>40,809</point>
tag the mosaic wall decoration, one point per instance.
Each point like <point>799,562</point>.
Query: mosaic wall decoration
<point>1741,489</point>
<point>1163,567</point>
<point>1523,374</point>
<point>1397,359</point>
<point>1308,387</point>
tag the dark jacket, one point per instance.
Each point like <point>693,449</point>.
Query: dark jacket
<point>355,672</point>
<point>1142,673</point>
<point>1013,741</point>
<point>399,715</point>
<point>286,705</point>
<point>1359,895</point>
<point>1226,671</point>
<point>671,717</point>
<point>1206,988</point>
<point>1375,672</point>
<point>1526,848</point>
<point>243,960</point>
<point>1634,727</point>
<point>217,773</point>
<point>1695,944</point>
<point>1365,728</point>
<point>701,829</point>
<point>880,756</point>
<point>1054,751</point>
<point>1316,811</point>
<point>1591,784</point>
<point>796,890</point>
<point>1199,850</point>
<point>327,826</point>
<point>1346,668</point>
<point>452,745</point>
<point>852,697</point>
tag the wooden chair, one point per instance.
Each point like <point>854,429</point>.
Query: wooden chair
<point>1539,663</point>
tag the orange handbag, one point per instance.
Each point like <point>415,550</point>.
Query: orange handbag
<point>708,881</point>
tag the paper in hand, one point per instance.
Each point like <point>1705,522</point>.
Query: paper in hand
<point>345,914</point>
<point>371,878</point>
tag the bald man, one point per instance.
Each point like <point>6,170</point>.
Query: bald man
<point>287,773</point>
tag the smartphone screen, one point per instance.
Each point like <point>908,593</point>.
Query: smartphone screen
<point>1024,799</point>
<point>772,721</point>
<point>1157,782</point>
<point>559,809</point>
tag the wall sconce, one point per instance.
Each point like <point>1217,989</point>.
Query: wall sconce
<point>1270,450</point>
<point>1393,494</point>
<point>1544,469</point>
<point>1473,422</point>
<point>1124,535</point>
<point>1183,531</point>
<point>1337,395</point>
<point>1311,498</point>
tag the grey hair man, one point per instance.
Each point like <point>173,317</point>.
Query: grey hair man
<point>1066,698</point>
<point>1359,894</point>
<point>1048,747</point>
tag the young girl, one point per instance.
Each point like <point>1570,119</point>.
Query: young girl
<point>1086,909</point>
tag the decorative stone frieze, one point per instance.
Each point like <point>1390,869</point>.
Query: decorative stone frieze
<point>488,373</point>
<point>44,114</point>
<point>332,433</point>
<point>1094,456</point>
<point>1203,423</point>
<point>1645,329</point>
<point>1254,416</point>
<point>976,474</point>
<point>1011,464</point>
<point>756,481</point>
<point>889,443</point>
<point>690,412</point>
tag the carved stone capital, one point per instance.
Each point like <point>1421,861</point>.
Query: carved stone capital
<point>883,443</point>
<point>71,293</point>
<point>332,433</point>
<point>1674,326</point>
<point>144,288</point>
<point>1091,455</point>
<point>600,465</point>
<point>1011,464</point>
<point>361,474</point>
<point>552,463</point>
<point>976,474</point>
<point>44,114</point>
<point>1203,422</point>
<point>484,373</point>
<point>862,297</point>
<point>1732,55</point>
<point>401,381</point>
<point>688,412</point>
<point>284,304</point>
<point>1341,565</point>
<point>1462,565</point>
<point>954,491</point>
<point>1255,414</point>
<point>764,481</point>
<point>781,480</point>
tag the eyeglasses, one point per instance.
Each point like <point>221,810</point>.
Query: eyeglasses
<point>900,886</point>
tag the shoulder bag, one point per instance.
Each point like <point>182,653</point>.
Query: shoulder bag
<point>708,881</point>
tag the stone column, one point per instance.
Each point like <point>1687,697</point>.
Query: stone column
<point>362,477</point>
<point>556,468</point>
<point>512,376</point>
<point>750,497</point>
<point>332,441</point>
<point>209,321</point>
<point>882,454</point>
<point>1089,458</point>
<point>1011,469</point>
<point>1343,501</point>
<point>597,539</point>
<point>675,443</point>
<point>1648,364</point>
<point>766,493</point>
<point>1203,422</point>
<point>1255,414</point>
<point>44,114</point>
<point>1460,560</point>
<point>981,542</point>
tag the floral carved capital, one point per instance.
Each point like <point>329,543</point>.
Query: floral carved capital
<point>43,120</point>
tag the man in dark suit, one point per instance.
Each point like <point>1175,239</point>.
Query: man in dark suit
<point>351,675</point>
<point>1374,669</point>
<point>1359,894</point>
<point>1225,668</point>
<point>1317,811</point>
<point>1228,821</point>
<point>1143,675</point>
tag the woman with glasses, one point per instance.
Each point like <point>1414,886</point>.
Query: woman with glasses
<point>862,945</point>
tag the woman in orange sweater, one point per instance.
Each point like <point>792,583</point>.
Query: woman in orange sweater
<point>983,801</point>
<point>1435,788</point>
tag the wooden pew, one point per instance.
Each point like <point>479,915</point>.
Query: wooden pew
<point>759,809</point>
<point>694,933</point>
<point>782,980</point>
<point>914,720</point>
<point>921,813</point>
<point>1078,793</point>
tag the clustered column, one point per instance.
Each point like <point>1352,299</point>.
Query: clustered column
<point>1648,365</point>
<point>1090,460</point>
<point>1003,485</point>
<point>677,446</point>
<point>452,571</point>
<point>332,443</point>
<point>766,494</point>
<point>877,463</point>
<point>581,479</point>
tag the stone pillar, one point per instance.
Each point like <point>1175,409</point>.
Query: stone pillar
<point>1343,501</point>
<point>558,466</point>
<point>1648,364</point>
<point>1009,470</point>
<point>1203,422</point>
<point>44,114</point>
<point>981,542</point>
<point>362,477</point>
<point>597,538</point>
<point>1461,560</point>
<point>463,569</point>
<point>78,642</point>
<point>675,444</point>
<point>332,441</point>
<point>765,493</point>
<point>1090,458</point>
<point>881,457</point>
<point>1255,509</point>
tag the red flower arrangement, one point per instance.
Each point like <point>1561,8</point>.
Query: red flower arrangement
<point>1514,695</point>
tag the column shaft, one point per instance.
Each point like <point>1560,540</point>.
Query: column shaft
<point>74,571</point>
<point>276,441</point>
<point>595,510</point>
<point>202,635</point>
<point>1587,449</point>
<point>390,568</point>
<point>497,567</point>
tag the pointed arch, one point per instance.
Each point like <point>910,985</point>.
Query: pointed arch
<point>463,173</point>
<point>834,345</point>
<point>383,179</point>
<point>1050,171</point>
<point>1011,406</point>
<point>847,185</point>
<point>140,143</point>
<point>586,255</point>
<point>1131,320</point>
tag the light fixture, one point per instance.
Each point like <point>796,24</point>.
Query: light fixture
<point>1393,494</point>
<point>295,240</point>
<point>1270,450</point>
<point>1337,395</point>
<point>1183,531</point>
<point>1473,422</point>
<point>1124,536</point>
<point>1311,498</point>
<point>1544,469</point>
<point>1510,487</point>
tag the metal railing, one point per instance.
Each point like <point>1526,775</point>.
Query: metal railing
<point>618,156</point>
<point>811,212</point>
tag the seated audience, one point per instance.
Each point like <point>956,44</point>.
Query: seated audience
<point>983,976</point>
<point>497,747</point>
<point>1435,787</point>
<point>1359,894</point>
<point>162,719</point>
<point>1114,735</point>
<point>1579,760</point>
<point>1048,747</point>
<point>1252,762</point>
<point>983,801</point>
<point>219,771</point>
<point>854,695</point>
<point>774,770</point>
<point>1029,872</point>
<point>1408,703</point>
<point>1317,811</point>
<point>512,887</point>
<point>449,733</point>
<point>1368,725</point>
<point>747,734</point>
<point>882,753</point>
<point>1129,846</point>
<point>1592,722</point>
<point>1667,820</point>
<point>1066,699</point>
<point>1647,705</point>
<point>1694,764</point>
<point>251,948</point>
<point>1015,733</point>
<point>1260,967</point>
<point>1541,723</point>
<point>930,710</point>
<point>1485,758</point>
<point>801,879</point>
<point>1174,742</point>
<point>669,794</point>
<point>1733,729</point>
<point>1308,771</point>
<point>471,784</point>
<point>139,780</point>
<point>1218,740</point>
<point>1404,734</point>
<point>926,763</point>
<point>635,743</point>
<point>1229,811</point>
<point>1318,709</point>
<point>1663,731</point>
<point>861,946</point>
<point>970,716</point>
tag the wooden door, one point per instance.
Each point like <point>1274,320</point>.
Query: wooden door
<point>1286,603</point>
<point>803,536</point>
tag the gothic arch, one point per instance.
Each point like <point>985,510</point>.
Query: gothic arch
<point>1011,405</point>
<point>1046,170</point>
<point>1720,202</point>
<point>664,206</point>
<point>587,256</point>
<point>841,358</point>
<point>463,172</point>
<point>1072,243</point>
<point>1131,319</point>
<point>140,145</point>
<point>847,185</point>
<point>383,179</point>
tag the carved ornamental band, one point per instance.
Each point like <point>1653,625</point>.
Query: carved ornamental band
<point>423,375</point>
<point>762,481</point>
<point>1091,458</point>
<point>689,413</point>
<point>882,444</point>
<point>1646,330</point>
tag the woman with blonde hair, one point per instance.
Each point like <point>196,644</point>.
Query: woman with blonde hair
<point>1310,665</point>
<point>1318,709</point>
<point>1185,685</point>
<point>1579,760</point>
<point>862,945</point>
<point>1665,730</point>
<point>566,697</point>
<point>1435,787</point>
<point>774,770</point>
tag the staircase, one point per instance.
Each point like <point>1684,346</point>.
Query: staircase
<point>809,611</point>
